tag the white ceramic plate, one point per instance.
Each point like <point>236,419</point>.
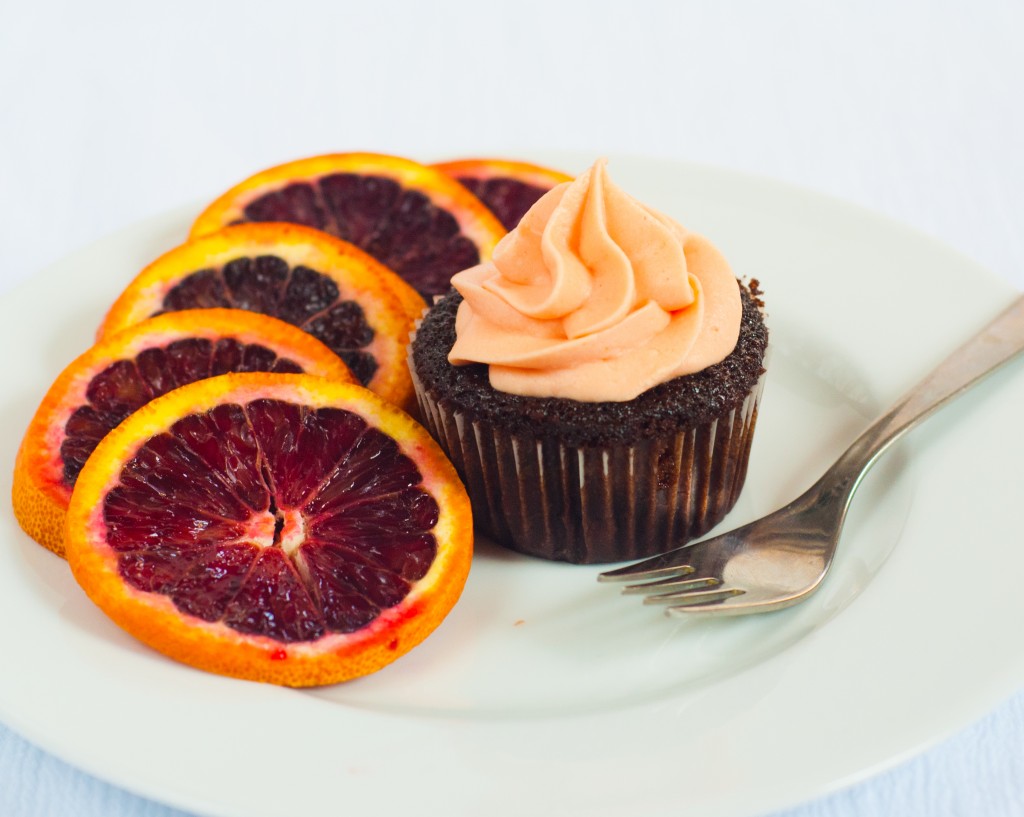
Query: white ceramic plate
<point>544,692</point>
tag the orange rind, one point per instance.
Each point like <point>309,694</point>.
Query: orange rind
<point>219,552</point>
<point>121,373</point>
<point>508,187</point>
<point>360,309</point>
<point>411,217</point>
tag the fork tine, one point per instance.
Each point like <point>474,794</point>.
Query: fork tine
<point>685,599</point>
<point>754,600</point>
<point>668,586</point>
<point>663,566</point>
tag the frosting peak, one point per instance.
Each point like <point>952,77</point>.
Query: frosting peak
<point>594,297</point>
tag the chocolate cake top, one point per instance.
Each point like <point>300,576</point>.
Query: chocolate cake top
<point>665,409</point>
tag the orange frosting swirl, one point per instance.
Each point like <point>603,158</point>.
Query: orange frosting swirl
<point>596,297</point>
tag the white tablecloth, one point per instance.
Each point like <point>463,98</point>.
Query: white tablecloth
<point>110,112</point>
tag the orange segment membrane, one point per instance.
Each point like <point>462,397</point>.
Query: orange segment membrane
<point>300,296</point>
<point>398,226</point>
<point>507,198</point>
<point>274,519</point>
<point>126,385</point>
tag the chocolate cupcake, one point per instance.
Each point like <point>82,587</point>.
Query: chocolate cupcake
<point>596,384</point>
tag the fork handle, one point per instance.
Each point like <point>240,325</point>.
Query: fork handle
<point>997,343</point>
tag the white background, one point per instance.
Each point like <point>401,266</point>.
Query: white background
<point>111,112</point>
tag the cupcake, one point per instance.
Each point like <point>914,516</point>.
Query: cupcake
<point>596,383</point>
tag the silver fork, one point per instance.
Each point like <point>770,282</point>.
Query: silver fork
<point>780,559</point>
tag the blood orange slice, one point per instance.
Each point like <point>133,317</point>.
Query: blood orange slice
<point>279,528</point>
<point>359,309</point>
<point>412,218</point>
<point>509,188</point>
<point>119,375</point>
